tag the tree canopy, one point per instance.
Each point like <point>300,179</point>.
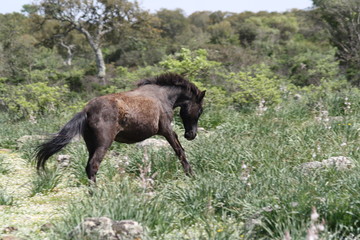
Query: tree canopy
<point>94,19</point>
<point>342,18</point>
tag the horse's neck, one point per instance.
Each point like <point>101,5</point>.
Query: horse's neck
<point>176,96</point>
<point>171,96</point>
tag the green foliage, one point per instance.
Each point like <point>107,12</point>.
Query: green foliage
<point>285,24</point>
<point>193,64</point>
<point>312,68</point>
<point>45,182</point>
<point>172,22</point>
<point>342,21</point>
<point>74,79</point>
<point>251,184</point>
<point>6,199</point>
<point>106,16</point>
<point>30,100</point>
<point>216,96</point>
<point>213,117</point>
<point>249,177</point>
<point>222,33</point>
<point>200,19</point>
<point>254,86</point>
<point>306,64</point>
<point>3,167</point>
<point>266,32</point>
<point>241,88</point>
<point>77,167</point>
<point>16,46</point>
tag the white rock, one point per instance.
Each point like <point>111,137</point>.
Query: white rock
<point>339,162</point>
<point>152,142</point>
<point>105,228</point>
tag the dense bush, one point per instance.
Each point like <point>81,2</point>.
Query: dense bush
<point>225,87</point>
<point>193,64</point>
<point>30,100</point>
<point>254,86</point>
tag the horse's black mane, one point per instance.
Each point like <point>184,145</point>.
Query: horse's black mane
<point>171,79</point>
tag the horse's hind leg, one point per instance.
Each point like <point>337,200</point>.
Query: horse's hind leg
<point>97,142</point>
<point>94,161</point>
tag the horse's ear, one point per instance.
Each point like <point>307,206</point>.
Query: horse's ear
<point>201,96</point>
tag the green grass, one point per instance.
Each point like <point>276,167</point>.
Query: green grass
<point>4,169</point>
<point>247,170</point>
<point>248,183</point>
<point>6,199</point>
<point>44,182</point>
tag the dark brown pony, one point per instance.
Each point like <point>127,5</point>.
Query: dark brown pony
<point>131,117</point>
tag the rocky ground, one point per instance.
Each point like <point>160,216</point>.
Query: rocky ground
<point>29,217</point>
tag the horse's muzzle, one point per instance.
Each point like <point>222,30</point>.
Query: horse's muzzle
<point>190,135</point>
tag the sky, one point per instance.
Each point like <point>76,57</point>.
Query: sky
<point>190,6</point>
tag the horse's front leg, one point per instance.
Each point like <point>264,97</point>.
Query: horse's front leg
<point>172,138</point>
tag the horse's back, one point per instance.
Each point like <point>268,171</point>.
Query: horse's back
<point>134,117</point>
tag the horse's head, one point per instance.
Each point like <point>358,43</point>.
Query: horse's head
<point>190,113</point>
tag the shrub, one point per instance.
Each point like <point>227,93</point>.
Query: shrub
<point>241,88</point>
<point>191,64</point>
<point>24,101</point>
<point>74,80</point>
<point>254,86</point>
<point>312,68</point>
<point>216,96</point>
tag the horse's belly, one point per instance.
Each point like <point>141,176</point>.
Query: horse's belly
<point>134,131</point>
<point>133,136</point>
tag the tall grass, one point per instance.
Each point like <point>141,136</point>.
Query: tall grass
<point>5,198</point>
<point>4,169</point>
<point>248,181</point>
<point>16,129</point>
<point>44,182</point>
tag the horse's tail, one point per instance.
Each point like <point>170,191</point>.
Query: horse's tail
<point>74,127</point>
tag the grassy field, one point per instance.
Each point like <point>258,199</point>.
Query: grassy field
<point>249,182</point>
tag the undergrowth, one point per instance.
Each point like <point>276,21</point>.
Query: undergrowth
<point>248,184</point>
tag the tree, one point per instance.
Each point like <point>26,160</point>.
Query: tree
<point>134,47</point>
<point>16,47</point>
<point>222,33</point>
<point>94,19</point>
<point>218,16</point>
<point>343,22</point>
<point>53,34</point>
<point>172,22</point>
<point>200,19</point>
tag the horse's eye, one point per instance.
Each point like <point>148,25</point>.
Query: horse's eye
<point>200,112</point>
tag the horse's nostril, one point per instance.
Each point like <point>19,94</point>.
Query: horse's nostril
<point>190,135</point>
